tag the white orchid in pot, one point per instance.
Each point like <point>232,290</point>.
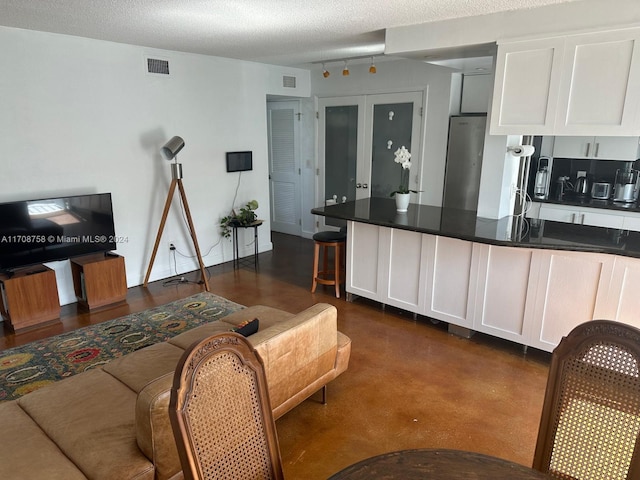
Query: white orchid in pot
<point>403,157</point>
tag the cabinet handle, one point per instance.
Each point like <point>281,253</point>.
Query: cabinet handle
<point>358,185</point>
<point>573,218</point>
<point>588,149</point>
<point>365,185</point>
<point>597,148</point>
<point>582,219</point>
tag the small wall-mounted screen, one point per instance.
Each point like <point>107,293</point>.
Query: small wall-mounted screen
<point>239,161</point>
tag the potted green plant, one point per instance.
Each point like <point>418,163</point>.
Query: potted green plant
<point>246,216</point>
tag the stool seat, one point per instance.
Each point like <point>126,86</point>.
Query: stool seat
<point>326,240</point>
<point>330,236</point>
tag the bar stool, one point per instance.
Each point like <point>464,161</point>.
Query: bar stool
<point>325,276</point>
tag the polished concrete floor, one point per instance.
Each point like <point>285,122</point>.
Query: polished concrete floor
<point>410,384</point>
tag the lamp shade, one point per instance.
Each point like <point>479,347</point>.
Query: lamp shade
<point>172,147</point>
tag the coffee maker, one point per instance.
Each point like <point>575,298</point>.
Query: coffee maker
<point>543,177</point>
<point>626,185</point>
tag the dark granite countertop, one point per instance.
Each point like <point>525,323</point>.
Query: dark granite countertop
<point>507,231</point>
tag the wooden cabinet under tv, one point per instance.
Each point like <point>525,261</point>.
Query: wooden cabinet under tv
<point>30,297</point>
<point>99,280</point>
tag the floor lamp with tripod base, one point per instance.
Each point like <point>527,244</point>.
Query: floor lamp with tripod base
<point>170,151</point>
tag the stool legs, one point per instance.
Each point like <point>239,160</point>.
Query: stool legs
<point>324,276</point>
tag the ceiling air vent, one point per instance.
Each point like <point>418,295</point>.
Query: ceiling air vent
<point>155,65</point>
<point>288,81</point>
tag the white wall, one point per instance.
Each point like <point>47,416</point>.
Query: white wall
<point>392,76</point>
<point>82,116</point>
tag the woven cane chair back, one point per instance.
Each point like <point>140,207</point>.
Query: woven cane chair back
<point>590,421</point>
<point>220,412</point>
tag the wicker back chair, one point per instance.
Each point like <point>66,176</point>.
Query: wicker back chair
<point>220,412</point>
<point>590,422</point>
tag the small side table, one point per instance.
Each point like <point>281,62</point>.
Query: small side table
<point>236,256</point>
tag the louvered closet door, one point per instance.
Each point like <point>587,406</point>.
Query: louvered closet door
<point>284,167</point>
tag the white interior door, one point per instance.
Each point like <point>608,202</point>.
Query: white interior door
<point>284,167</point>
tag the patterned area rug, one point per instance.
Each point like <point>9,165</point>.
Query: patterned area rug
<point>32,366</point>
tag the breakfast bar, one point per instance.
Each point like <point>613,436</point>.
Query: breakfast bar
<point>525,280</point>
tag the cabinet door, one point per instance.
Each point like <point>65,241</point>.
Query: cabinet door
<point>558,213</point>
<point>450,281</point>
<point>403,270</point>
<point>364,276</point>
<point>504,286</point>
<point>624,303</point>
<point>573,147</point>
<point>616,148</point>
<point>602,148</point>
<point>572,288</point>
<point>599,219</point>
<point>526,87</point>
<point>599,91</point>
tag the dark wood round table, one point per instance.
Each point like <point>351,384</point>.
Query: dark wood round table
<point>429,464</point>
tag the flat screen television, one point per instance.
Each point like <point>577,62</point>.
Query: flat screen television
<point>50,229</point>
<point>239,161</point>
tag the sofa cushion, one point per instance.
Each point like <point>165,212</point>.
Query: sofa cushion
<point>268,317</point>
<point>153,427</point>
<point>91,418</point>
<point>31,452</point>
<point>138,368</point>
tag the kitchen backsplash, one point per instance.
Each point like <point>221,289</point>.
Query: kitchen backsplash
<point>597,170</point>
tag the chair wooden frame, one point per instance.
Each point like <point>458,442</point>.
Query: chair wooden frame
<point>590,423</point>
<point>221,414</point>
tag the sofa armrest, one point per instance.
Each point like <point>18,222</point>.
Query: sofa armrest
<point>153,427</point>
<point>297,351</point>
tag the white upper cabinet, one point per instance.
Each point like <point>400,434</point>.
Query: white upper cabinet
<point>526,87</point>
<point>602,148</point>
<point>599,91</point>
<point>586,84</point>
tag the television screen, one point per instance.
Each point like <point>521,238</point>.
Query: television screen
<point>45,230</point>
<point>239,161</point>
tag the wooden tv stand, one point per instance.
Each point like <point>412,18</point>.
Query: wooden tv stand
<point>99,280</point>
<point>30,297</point>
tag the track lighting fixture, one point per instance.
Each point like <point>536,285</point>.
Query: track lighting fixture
<point>345,70</point>
<point>325,72</point>
<point>372,68</point>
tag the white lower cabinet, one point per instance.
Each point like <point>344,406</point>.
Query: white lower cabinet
<point>583,216</point>
<point>402,272</point>
<point>623,304</point>
<point>504,285</point>
<point>571,288</point>
<point>364,276</point>
<point>530,296</point>
<point>449,280</point>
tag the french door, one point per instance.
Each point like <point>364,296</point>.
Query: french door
<point>357,138</point>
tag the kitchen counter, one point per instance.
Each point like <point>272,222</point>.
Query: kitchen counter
<point>508,231</point>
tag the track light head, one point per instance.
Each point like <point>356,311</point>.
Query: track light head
<point>345,70</point>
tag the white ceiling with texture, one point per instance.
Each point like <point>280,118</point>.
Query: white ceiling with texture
<point>284,32</point>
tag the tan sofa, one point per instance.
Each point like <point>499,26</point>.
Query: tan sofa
<point>113,423</point>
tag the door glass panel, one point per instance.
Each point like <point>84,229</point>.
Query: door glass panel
<point>392,124</point>
<point>341,153</point>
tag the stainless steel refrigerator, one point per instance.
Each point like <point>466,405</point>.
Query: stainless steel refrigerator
<point>464,161</point>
